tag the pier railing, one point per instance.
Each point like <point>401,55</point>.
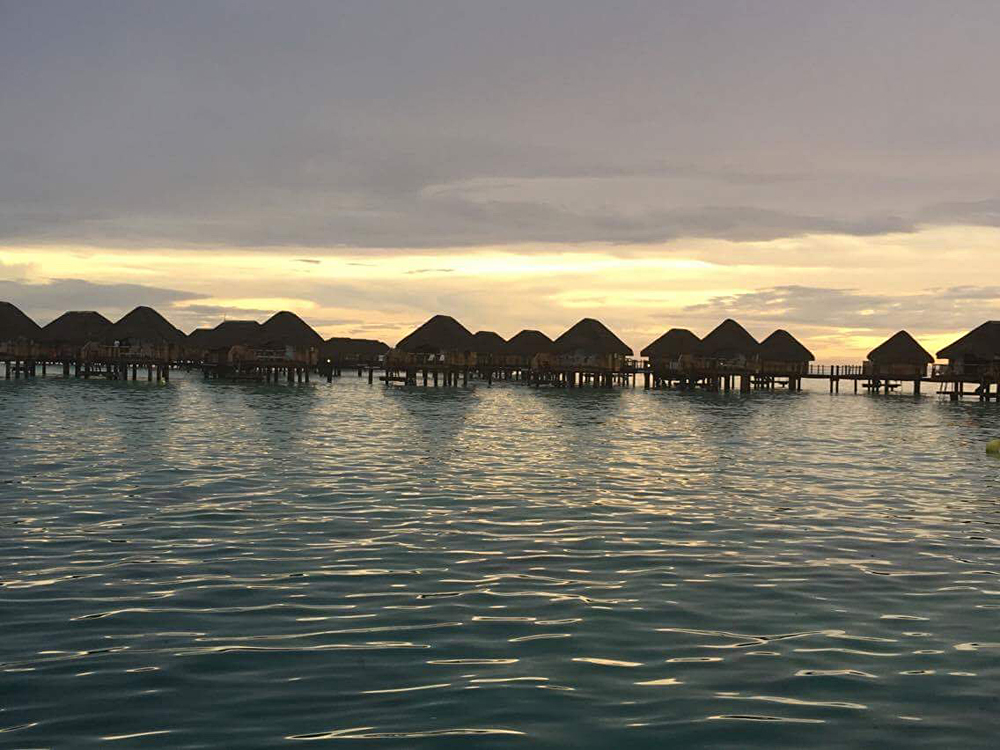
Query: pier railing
<point>836,371</point>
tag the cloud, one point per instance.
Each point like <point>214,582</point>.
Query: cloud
<point>371,127</point>
<point>50,299</point>
<point>931,311</point>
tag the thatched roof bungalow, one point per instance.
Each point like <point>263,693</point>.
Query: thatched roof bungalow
<point>782,353</point>
<point>144,334</point>
<point>522,348</point>
<point>488,345</point>
<point>977,353</point>
<point>899,356</point>
<point>588,344</point>
<point>18,332</point>
<point>349,351</point>
<point>286,336</point>
<point>70,332</point>
<point>729,344</point>
<point>442,340</point>
<point>673,350</point>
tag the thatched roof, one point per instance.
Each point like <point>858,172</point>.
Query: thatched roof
<point>144,324</point>
<point>488,342</point>
<point>781,346</point>
<point>200,338</point>
<point>288,329</point>
<point>527,343</point>
<point>14,324</point>
<point>234,333</point>
<point>982,343</point>
<point>76,327</point>
<point>728,339</point>
<point>590,336</point>
<point>442,333</point>
<point>673,343</point>
<point>340,346</point>
<point>900,349</point>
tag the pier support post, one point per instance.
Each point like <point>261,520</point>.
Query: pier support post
<point>916,387</point>
<point>371,371</point>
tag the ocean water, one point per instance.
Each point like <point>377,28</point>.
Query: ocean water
<point>208,564</point>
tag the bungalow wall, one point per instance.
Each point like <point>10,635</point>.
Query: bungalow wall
<point>398,358</point>
<point>579,360</point>
<point>777,367</point>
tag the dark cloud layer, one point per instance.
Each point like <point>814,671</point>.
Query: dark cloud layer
<point>367,124</point>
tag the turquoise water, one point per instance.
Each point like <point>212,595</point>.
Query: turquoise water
<point>209,564</point>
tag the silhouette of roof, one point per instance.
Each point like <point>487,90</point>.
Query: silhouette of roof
<point>341,345</point>
<point>781,346</point>
<point>488,342</point>
<point>982,342</point>
<point>673,343</point>
<point>728,339</point>
<point>200,338</point>
<point>76,327</point>
<point>527,343</point>
<point>231,333</point>
<point>144,324</point>
<point>288,329</point>
<point>591,336</point>
<point>900,349</point>
<point>14,324</point>
<point>442,333</point>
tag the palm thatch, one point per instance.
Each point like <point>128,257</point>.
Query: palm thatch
<point>527,343</point>
<point>144,325</point>
<point>781,346</point>
<point>442,333</point>
<point>76,327</point>
<point>15,325</point>
<point>981,344</point>
<point>231,333</point>
<point>674,343</point>
<point>728,340</point>
<point>488,342</point>
<point>288,329</point>
<point>900,349</point>
<point>200,338</point>
<point>590,336</point>
<point>344,348</point>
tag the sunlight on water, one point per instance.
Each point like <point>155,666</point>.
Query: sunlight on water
<point>202,562</point>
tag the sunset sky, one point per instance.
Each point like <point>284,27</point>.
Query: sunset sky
<point>829,168</point>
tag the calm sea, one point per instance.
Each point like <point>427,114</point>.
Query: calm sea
<point>208,564</point>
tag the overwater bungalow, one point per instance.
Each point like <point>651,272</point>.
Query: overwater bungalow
<point>441,340</point>
<point>285,336</point>
<point>66,336</point>
<point>520,350</point>
<point>729,346</point>
<point>673,351</point>
<point>230,342</point>
<point>783,354</point>
<point>488,346</point>
<point>977,354</point>
<point>19,334</point>
<point>899,357</point>
<point>141,335</point>
<point>588,347</point>
<point>349,352</point>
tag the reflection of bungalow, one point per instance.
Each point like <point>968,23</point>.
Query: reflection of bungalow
<point>285,336</point>
<point>977,353</point>
<point>441,340</point>
<point>342,351</point>
<point>142,334</point>
<point>673,351</point>
<point>587,346</point>
<point>488,346</point>
<point>899,357</point>
<point>18,332</point>
<point>728,346</point>
<point>66,336</point>
<point>522,348</point>
<point>782,354</point>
